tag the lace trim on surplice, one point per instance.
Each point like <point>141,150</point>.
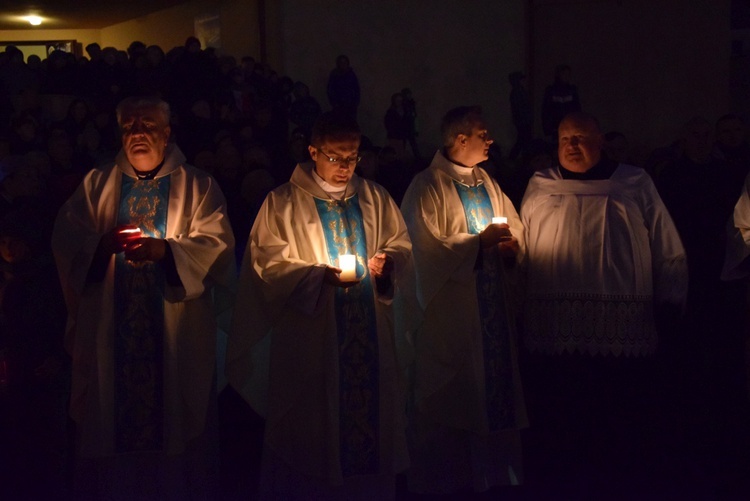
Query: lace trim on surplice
<point>592,324</point>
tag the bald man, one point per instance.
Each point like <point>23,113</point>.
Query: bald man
<point>603,253</point>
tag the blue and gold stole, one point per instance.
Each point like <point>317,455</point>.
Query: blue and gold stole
<point>498,368</point>
<point>359,399</point>
<point>139,323</point>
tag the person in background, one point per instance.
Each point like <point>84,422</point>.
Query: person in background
<point>343,88</point>
<point>34,368</point>
<point>522,113</point>
<point>560,98</point>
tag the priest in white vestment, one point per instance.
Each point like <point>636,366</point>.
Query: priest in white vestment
<point>144,250</point>
<point>603,257</point>
<point>312,343</point>
<point>736,264</point>
<point>467,406</point>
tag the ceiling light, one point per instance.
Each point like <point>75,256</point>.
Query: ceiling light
<point>34,20</point>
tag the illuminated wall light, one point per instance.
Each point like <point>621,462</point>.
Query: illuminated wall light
<point>34,20</point>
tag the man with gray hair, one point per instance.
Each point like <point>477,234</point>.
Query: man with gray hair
<point>143,248</point>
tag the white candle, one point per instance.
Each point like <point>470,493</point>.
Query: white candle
<point>348,265</point>
<point>499,220</point>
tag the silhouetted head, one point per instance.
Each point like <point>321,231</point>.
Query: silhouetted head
<point>192,44</point>
<point>94,50</point>
<point>730,131</point>
<point>342,63</point>
<point>697,139</point>
<point>562,73</point>
<point>616,146</point>
<point>516,78</point>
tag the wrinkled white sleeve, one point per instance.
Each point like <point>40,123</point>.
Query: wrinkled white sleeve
<point>439,257</point>
<point>668,256</point>
<point>738,238</point>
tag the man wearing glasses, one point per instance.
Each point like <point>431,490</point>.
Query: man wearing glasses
<point>312,344</point>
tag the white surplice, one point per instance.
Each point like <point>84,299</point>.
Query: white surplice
<point>201,241</point>
<point>449,417</point>
<point>600,254</point>
<point>738,244</point>
<point>283,348</point>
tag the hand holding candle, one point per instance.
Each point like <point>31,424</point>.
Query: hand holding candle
<point>495,233</point>
<point>120,237</point>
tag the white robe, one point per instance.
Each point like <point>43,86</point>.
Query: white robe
<point>449,388</point>
<point>600,253</point>
<point>736,266</point>
<point>201,241</point>
<point>738,244</point>
<point>284,308</point>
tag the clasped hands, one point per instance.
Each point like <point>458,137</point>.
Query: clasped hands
<point>128,238</point>
<point>499,234</point>
<point>380,266</point>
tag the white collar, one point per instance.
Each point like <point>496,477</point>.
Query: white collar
<point>466,175</point>
<point>335,192</point>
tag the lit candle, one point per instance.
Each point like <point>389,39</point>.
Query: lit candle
<point>130,230</point>
<point>348,265</point>
<point>499,220</point>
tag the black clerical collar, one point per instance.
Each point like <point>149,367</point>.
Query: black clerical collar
<point>602,170</point>
<point>145,176</point>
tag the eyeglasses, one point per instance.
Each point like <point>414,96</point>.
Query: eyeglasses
<point>338,160</point>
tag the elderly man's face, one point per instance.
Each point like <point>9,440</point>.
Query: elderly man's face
<point>335,160</point>
<point>579,144</point>
<point>144,137</point>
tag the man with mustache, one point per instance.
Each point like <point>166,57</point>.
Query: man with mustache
<point>143,249</point>
<point>604,259</point>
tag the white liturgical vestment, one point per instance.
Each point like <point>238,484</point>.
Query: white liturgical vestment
<point>284,347</point>
<point>201,242</point>
<point>600,254</point>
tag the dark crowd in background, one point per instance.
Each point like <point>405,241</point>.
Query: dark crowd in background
<point>249,126</point>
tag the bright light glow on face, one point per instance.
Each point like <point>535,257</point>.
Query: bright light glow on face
<point>33,20</point>
<point>335,173</point>
<point>579,144</point>
<point>144,137</point>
